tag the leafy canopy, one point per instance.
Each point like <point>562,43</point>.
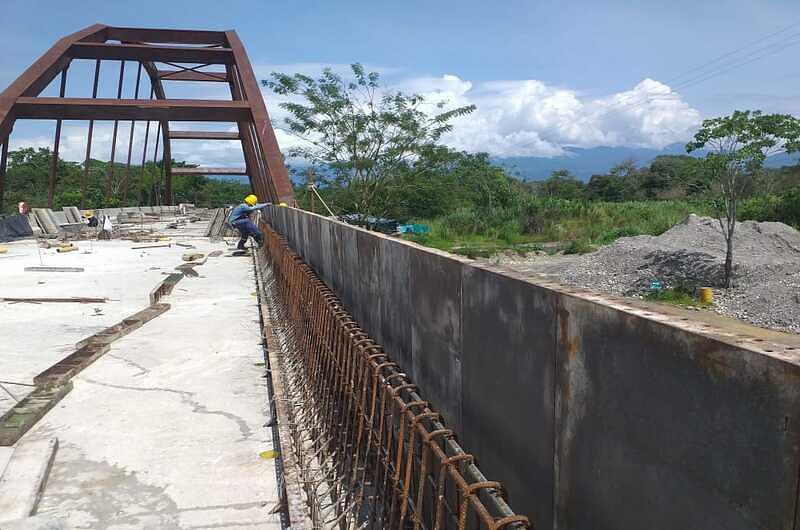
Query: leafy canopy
<point>365,136</point>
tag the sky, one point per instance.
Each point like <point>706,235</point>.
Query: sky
<point>544,75</point>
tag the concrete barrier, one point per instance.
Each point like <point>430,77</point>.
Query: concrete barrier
<point>593,411</point>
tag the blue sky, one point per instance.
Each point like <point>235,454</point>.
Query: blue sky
<point>544,74</point>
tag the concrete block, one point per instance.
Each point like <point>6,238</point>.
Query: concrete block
<point>435,291</point>
<point>25,477</point>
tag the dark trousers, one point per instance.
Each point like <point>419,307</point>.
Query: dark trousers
<point>247,228</point>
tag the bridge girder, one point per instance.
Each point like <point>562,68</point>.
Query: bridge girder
<point>150,47</point>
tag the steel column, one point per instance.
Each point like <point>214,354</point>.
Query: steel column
<point>85,177</point>
<point>3,165</point>
<point>51,189</point>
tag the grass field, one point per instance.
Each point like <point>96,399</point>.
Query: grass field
<point>552,224</point>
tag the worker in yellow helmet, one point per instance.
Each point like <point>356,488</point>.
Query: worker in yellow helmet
<point>240,220</point>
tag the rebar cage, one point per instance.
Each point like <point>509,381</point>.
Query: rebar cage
<point>368,450</point>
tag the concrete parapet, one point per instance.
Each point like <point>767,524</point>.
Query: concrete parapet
<point>594,411</point>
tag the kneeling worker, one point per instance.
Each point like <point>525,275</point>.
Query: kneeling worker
<point>240,220</point>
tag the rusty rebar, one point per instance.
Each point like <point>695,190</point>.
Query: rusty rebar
<point>371,452</point>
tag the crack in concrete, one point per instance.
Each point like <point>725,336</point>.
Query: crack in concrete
<point>187,398</point>
<point>142,369</point>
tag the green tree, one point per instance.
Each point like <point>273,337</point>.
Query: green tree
<point>561,184</point>
<point>366,137</point>
<point>737,146</point>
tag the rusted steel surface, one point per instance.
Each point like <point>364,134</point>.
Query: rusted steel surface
<point>192,75</point>
<point>277,176</point>
<point>146,52</point>
<point>371,451</point>
<point>202,49</point>
<point>51,108</point>
<point>203,135</point>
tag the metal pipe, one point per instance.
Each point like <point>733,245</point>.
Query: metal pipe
<point>85,177</point>
<point>51,189</point>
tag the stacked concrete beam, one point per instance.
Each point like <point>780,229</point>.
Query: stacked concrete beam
<point>593,412</point>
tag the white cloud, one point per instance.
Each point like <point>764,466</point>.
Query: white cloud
<point>531,118</point>
<point>513,118</point>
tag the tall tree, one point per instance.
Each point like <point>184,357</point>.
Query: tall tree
<point>366,136</point>
<point>737,146</point>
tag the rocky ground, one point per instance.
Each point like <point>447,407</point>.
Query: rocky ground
<point>766,288</point>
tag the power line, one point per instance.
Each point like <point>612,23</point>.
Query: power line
<point>705,76</point>
<point>703,72</point>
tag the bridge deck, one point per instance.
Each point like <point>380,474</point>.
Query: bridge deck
<point>164,430</point>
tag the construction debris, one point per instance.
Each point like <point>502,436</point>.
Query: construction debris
<point>159,245</point>
<point>53,269</point>
<point>193,256</point>
<point>75,299</point>
<point>66,247</point>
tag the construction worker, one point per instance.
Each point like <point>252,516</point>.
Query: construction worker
<point>240,220</point>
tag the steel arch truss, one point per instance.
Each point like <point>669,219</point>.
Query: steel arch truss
<point>187,53</point>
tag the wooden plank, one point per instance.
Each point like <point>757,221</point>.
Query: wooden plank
<point>54,269</point>
<point>75,299</point>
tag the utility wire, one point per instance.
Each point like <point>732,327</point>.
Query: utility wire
<point>720,64</point>
<point>710,75</point>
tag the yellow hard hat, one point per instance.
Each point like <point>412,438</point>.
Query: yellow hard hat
<point>251,199</point>
<point>88,214</point>
<point>283,204</point>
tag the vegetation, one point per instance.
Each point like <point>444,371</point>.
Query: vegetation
<point>379,155</point>
<point>28,173</point>
<point>737,147</point>
<point>676,296</point>
<point>365,139</point>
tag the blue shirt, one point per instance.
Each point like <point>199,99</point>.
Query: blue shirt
<point>241,211</point>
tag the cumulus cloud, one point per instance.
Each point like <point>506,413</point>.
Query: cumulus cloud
<point>513,118</point>
<point>531,118</point>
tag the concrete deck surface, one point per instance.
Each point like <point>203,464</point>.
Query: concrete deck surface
<point>165,430</point>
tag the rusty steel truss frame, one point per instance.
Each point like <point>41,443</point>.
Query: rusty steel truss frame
<point>368,450</point>
<point>185,54</point>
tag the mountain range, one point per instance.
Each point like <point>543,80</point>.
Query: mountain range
<point>584,163</point>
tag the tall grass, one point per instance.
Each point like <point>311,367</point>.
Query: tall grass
<point>578,224</point>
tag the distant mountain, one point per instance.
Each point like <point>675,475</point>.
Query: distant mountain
<point>584,163</point>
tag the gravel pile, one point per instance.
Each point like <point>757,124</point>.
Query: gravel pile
<point>766,278</point>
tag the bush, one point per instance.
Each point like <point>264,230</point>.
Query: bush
<point>760,208</point>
